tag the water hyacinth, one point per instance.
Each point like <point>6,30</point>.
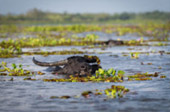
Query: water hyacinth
<point>111,93</point>
<point>110,73</point>
<point>115,91</point>
<point>142,76</point>
<point>101,75</point>
<point>90,37</point>
<point>17,52</point>
<point>10,52</point>
<point>15,70</point>
<point>134,55</point>
<point>41,41</point>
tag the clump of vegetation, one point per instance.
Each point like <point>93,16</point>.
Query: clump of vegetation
<point>10,52</point>
<point>66,28</point>
<point>14,71</point>
<point>17,52</point>
<point>133,42</point>
<point>48,41</point>
<point>101,75</point>
<point>110,73</point>
<point>90,37</point>
<point>61,97</point>
<point>111,93</point>
<point>43,36</point>
<point>162,76</point>
<point>64,52</point>
<point>160,44</point>
<point>142,77</point>
<point>134,55</point>
<point>8,29</point>
<point>115,91</point>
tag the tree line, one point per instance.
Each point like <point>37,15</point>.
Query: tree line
<point>43,16</point>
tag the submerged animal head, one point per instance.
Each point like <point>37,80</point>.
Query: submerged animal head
<point>75,65</point>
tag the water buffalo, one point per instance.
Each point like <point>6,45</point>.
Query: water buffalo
<point>113,42</point>
<point>110,43</point>
<point>75,65</point>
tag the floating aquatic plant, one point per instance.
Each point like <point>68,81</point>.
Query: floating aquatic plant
<point>90,37</point>
<point>162,76</point>
<point>12,52</point>
<point>15,70</point>
<point>142,77</point>
<point>61,97</point>
<point>110,73</point>
<point>134,55</point>
<point>115,91</point>
<point>101,75</point>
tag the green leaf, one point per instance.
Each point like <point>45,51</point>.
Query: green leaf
<point>14,66</point>
<point>107,92</point>
<point>4,64</point>
<point>110,71</point>
<point>97,73</point>
<point>114,72</point>
<point>101,71</point>
<point>119,93</point>
<point>120,72</point>
<point>20,65</point>
<point>113,93</point>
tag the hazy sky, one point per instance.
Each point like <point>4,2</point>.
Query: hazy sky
<point>81,6</point>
